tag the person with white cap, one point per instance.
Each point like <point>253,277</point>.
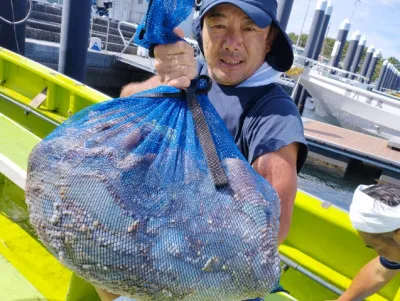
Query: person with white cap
<point>375,214</point>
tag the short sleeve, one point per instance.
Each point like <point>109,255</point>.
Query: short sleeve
<point>389,264</point>
<point>273,123</point>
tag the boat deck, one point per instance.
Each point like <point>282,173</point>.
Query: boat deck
<point>347,145</point>
<point>143,63</point>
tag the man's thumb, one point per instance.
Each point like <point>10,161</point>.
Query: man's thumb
<point>179,31</point>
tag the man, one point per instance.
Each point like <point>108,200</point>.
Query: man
<point>244,49</point>
<point>375,214</point>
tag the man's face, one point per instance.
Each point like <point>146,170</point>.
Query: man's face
<point>234,46</point>
<point>387,245</point>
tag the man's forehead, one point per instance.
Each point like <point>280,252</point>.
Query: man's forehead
<point>223,10</point>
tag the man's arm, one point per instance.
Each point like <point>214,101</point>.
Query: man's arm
<point>132,88</point>
<point>279,168</point>
<point>369,280</point>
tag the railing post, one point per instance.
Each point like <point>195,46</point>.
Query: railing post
<point>108,30</point>
<point>91,28</point>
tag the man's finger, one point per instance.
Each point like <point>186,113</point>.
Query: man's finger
<point>162,51</point>
<point>179,71</point>
<point>180,82</point>
<point>179,32</point>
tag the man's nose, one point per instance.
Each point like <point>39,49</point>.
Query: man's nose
<point>233,39</point>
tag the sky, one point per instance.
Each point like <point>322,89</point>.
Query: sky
<point>378,20</point>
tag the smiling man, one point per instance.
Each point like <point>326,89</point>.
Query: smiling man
<point>245,50</point>
<point>234,46</point>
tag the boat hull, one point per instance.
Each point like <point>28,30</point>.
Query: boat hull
<point>352,109</point>
<point>321,241</point>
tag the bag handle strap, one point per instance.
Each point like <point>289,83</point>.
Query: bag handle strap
<point>205,138</point>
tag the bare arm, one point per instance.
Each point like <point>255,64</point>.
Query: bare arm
<point>133,88</point>
<point>279,168</point>
<point>369,280</point>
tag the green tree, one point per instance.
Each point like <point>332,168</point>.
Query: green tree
<point>394,61</point>
<point>327,47</point>
<point>293,37</point>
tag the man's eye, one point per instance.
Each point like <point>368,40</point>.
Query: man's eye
<point>219,26</point>
<point>250,29</point>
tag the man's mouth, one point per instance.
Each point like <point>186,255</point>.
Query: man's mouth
<point>231,62</point>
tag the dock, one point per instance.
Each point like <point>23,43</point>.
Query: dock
<point>348,150</point>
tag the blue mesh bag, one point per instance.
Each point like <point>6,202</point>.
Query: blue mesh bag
<point>149,197</point>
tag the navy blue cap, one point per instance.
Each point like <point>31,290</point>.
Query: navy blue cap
<point>263,13</point>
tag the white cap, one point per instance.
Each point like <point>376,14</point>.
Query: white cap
<point>377,53</point>
<point>371,48</point>
<point>329,8</point>
<point>363,41</point>
<point>345,24</point>
<point>356,36</point>
<point>321,5</point>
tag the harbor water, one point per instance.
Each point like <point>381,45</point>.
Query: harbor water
<point>329,183</point>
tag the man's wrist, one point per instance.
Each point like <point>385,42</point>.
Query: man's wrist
<point>133,88</point>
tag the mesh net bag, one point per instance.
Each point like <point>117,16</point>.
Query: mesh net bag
<point>149,197</point>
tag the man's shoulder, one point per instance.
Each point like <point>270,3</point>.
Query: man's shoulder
<point>389,264</point>
<point>274,98</point>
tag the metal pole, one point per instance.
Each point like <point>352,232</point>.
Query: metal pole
<point>340,42</point>
<point>393,77</point>
<point>75,29</point>
<point>284,10</point>
<point>324,30</point>
<point>371,69</point>
<point>381,75</point>
<point>108,31</point>
<point>12,36</point>
<point>367,60</point>
<point>357,57</point>
<point>315,28</point>
<point>389,76</point>
<point>351,51</point>
<point>310,46</point>
<point>311,275</point>
<point>91,28</point>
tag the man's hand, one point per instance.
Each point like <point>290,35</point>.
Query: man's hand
<point>175,63</point>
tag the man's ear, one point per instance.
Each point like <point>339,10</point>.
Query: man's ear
<point>273,32</point>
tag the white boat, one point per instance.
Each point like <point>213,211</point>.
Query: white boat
<point>350,103</point>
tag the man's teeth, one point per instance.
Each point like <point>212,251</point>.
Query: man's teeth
<point>232,62</point>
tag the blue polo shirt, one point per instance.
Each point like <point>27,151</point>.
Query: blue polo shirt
<point>260,119</point>
<point>389,264</point>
